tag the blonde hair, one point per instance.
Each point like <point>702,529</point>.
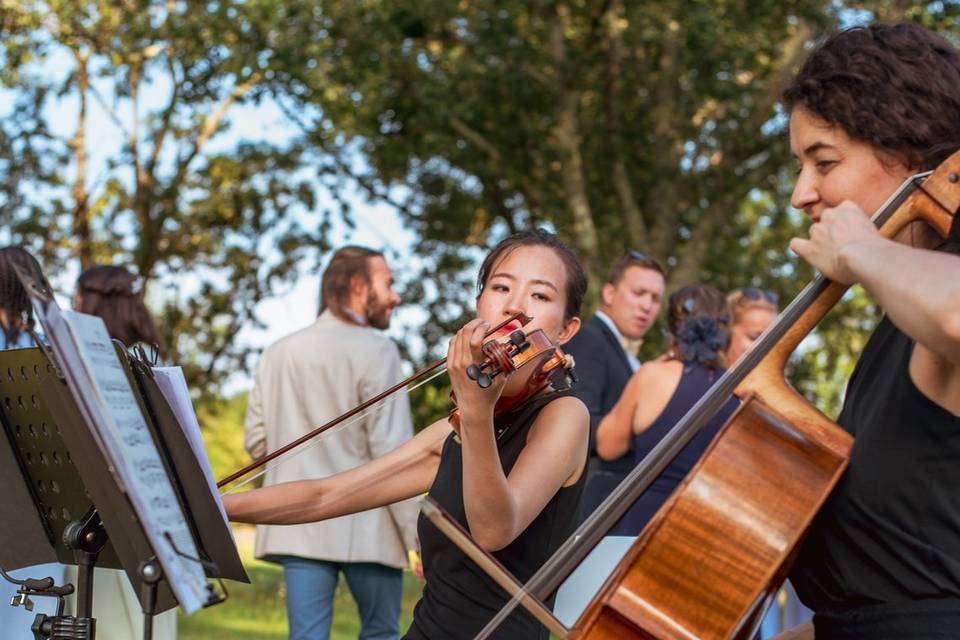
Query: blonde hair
<point>747,299</point>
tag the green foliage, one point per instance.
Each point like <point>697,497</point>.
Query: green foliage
<point>222,429</point>
<point>617,124</point>
<point>649,125</point>
<point>192,213</point>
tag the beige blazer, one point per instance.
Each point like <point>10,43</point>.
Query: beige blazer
<point>303,381</point>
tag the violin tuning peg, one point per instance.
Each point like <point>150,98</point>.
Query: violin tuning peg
<point>474,372</point>
<point>517,338</point>
<point>484,381</point>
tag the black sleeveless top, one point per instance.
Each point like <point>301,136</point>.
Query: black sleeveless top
<point>890,531</point>
<point>694,383</point>
<point>459,598</point>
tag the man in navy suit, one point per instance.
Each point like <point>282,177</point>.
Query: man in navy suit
<point>605,358</point>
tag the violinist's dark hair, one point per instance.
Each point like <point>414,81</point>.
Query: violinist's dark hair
<point>13,297</point>
<point>347,263</point>
<point>896,87</point>
<point>116,295</point>
<point>576,287</point>
<point>698,318</point>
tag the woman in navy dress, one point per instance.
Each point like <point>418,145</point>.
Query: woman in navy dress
<point>661,392</point>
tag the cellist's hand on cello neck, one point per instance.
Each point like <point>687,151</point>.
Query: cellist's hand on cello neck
<point>837,235</point>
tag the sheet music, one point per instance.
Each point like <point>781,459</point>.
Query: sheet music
<point>174,388</point>
<point>100,385</point>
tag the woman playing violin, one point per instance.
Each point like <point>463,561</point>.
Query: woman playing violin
<point>870,107</point>
<point>513,479</point>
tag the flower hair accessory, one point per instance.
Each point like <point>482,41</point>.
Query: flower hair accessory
<point>701,338</point>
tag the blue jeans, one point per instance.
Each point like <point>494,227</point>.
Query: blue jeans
<point>310,587</point>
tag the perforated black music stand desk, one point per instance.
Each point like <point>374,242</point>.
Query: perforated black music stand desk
<point>42,452</point>
<point>53,471</point>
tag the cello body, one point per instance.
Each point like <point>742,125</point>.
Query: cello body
<point>709,562</point>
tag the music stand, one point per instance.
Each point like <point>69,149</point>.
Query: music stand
<point>55,471</point>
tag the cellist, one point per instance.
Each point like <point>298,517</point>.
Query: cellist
<point>870,107</point>
<point>513,479</point>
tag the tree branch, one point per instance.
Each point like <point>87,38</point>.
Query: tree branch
<point>667,140</point>
<point>81,211</point>
<point>212,123</point>
<point>633,219</point>
<point>567,133</point>
<point>476,138</point>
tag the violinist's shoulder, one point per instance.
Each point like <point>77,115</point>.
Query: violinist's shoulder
<point>570,408</point>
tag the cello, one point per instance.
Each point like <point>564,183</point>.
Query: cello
<point>711,559</point>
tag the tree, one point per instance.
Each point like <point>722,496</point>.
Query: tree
<point>645,125</point>
<point>208,221</point>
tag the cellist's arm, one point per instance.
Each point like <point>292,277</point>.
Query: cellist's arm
<point>801,632</point>
<point>918,289</point>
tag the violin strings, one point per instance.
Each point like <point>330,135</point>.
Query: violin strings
<point>291,455</point>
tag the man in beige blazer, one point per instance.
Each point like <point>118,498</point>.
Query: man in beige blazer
<point>303,381</point>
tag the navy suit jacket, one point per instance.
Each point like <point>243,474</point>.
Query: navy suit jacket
<point>602,371</point>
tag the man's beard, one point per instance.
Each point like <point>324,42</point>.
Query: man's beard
<point>378,315</point>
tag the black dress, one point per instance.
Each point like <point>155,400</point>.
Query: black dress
<point>458,597</point>
<point>882,559</point>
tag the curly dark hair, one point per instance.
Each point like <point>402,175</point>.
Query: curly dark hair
<point>894,86</point>
<point>698,319</point>
<point>576,287</point>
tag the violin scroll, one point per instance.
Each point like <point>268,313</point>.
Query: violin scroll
<point>545,364</point>
<point>499,359</point>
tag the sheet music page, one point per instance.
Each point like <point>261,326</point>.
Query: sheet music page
<point>100,385</point>
<point>174,388</point>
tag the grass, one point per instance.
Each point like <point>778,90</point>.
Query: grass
<point>257,611</point>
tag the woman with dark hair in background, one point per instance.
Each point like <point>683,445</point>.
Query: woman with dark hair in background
<point>662,391</point>
<point>514,479</point>
<point>116,295</point>
<point>16,311</point>
<point>870,107</point>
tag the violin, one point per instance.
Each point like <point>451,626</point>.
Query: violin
<point>546,363</point>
